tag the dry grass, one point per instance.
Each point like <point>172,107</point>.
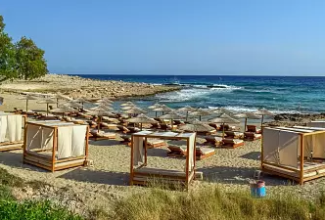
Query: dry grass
<point>212,203</point>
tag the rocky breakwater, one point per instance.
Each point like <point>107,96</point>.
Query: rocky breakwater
<point>75,87</point>
<point>294,119</point>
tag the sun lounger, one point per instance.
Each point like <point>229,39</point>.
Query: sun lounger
<point>227,127</point>
<point>215,125</point>
<point>177,151</point>
<point>252,136</point>
<point>216,141</point>
<point>207,133</point>
<point>101,135</point>
<point>168,127</point>
<point>234,134</point>
<point>154,143</point>
<point>92,124</point>
<point>232,143</point>
<point>202,153</point>
<point>253,128</point>
<point>108,125</point>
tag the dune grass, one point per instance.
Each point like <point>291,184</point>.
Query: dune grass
<point>213,203</point>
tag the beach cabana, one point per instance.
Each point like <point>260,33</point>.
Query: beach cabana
<point>296,153</point>
<point>319,124</point>
<point>11,131</point>
<point>141,173</point>
<point>54,145</point>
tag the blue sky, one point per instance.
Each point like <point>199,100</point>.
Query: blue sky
<point>251,37</point>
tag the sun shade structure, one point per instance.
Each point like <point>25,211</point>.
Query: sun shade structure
<point>224,118</point>
<point>27,98</point>
<point>162,109</point>
<point>263,112</point>
<point>156,105</point>
<point>141,119</point>
<point>47,102</point>
<point>246,116</point>
<point>81,101</point>
<point>171,116</point>
<point>201,112</point>
<point>196,126</point>
<point>105,101</point>
<point>60,96</point>
<point>295,153</point>
<point>11,131</point>
<point>55,145</point>
<point>186,110</point>
<point>143,174</point>
<point>100,110</point>
<point>134,111</point>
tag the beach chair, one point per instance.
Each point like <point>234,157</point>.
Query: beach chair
<point>101,135</point>
<point>232,143</point>
<point>104,125</point>
<point>177,151</point>
<point>252,136</point>
<point>227,127</point>
<point>207,133</point>
<point>253,128</point>
<point>164,126</point>
<point>234,134</point>
<point>155,143</point>
<point>215,125</point>
<point>215,140</point>
<point>202,153</point>
<point>92,124</point>
<point>126,139</point>
<point>178,122</point>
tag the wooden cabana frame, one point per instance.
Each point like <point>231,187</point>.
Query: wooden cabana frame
<point>52,162</point>
<point>17,144</point>
<point>309,141</point>
<point>141,175</point>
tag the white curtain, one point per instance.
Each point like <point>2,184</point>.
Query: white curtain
<point>289,143</point>
<point>64,142</point>
<point>271,145</point>
<point>78,140</point>
<point>19,127</point>
<point>138,151</point>
<point>191,152</point>
<point>47,138</point>
<point>3,128</point>
<point>33,136</point>
<point>319,146</point>
<point>12,129</point>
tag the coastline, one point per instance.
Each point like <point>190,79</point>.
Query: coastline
<point>75,87</point>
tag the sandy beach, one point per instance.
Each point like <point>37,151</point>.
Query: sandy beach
<point>100,185</point>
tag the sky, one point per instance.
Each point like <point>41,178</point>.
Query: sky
<point>251,37</point>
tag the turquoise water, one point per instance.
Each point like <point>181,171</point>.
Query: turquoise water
<point>238,93</point>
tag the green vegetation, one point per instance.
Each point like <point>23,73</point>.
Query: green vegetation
<point>212,203</point>
<point>20,60</point>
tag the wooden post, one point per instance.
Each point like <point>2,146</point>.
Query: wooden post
<point>87,144</point>
<point>223,130</point>
<point>145,151</point>
<point>26,104</point>
<point>55,143</point>
<point>25,139</point>
<point>194,155</point>
<point>301,181</point>
<point>245,124</point>
<point>131,166</point>
<point>187,161</point>
<point>262,156</point>
<point>47,109</point>
<point>262,119</point>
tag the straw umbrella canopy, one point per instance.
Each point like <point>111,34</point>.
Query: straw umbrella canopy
<point>163,108</point>
<point>156,105</point>
<point>224,118</point>
<point>100,111</point>
<point>196,126</point>
<point>221,110</point>
<point>59,96</point>
<point>263,112</point>
<point>246,116</point>
<point>47,102</point>
<point>124,108</point>
<point>141,119</point>
<point>186,109</point>
<point>104,101</point>
<point>28,97</point>
<point>63,109</point>
<point>134,111</point>
<point>201,112</point>
<point>82,101</point>
<point>172,115</point>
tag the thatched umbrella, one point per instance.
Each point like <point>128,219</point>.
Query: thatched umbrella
<point>163,108</point>
<point>63,109</point>
<point>28,97</point>
<point>186,109</point>
<point>105,101</point>
<point>100,111</point>
<point>141,118</point>
<point>134,111</point>
<point>196,126</point>
<point>224,118</point>
<point>124,108</point>
<point>201,112</point>
<point>155,106</point>
<point>59,96</point>
<point>263,112</point>
<point>82,101</point>
<point>172,115</point>
<point>221,110</point>
<point>247,115</point>
<point>47,102</point>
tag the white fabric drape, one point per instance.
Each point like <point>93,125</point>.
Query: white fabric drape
<point>138,151</point>
<point>12,121</point>
<point>19,127</point>
<point>78,140</point>
<point>64,142</point>
<point>289,143</point>
<point>33,136</point>
<point>3,127</point>
<point>47,138</point>
<point>271,145</point>
<point>191,152</point>
<point>319,146</point>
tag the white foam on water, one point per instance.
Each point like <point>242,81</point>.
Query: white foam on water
<point>183,95</point>
<point>240,109</point>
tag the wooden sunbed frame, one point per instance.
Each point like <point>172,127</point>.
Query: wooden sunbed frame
<point>17,145</point>
<point>298,175</point>
<point>53,164</point>
<point>232,145</point>
<point>140,178</point>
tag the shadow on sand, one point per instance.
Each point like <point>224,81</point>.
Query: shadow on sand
<point>98,176</point>
<point>256,155</point>
<point>239,176</point>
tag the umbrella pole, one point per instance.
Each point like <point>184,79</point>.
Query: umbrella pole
<point>200,117</point>
<point>156,114</point>
<point>262,120</point>
<point>186,115</point>
<point>57,102</point>
<point>99,120</point>
<point>26,105</point>
<point>223,130</point>
<point>141,126</point>
<point>47,109</point>
<point>245,124</point>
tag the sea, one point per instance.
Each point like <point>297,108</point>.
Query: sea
<point>279,94</point>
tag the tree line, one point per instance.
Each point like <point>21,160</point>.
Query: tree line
<point>22,59</point>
